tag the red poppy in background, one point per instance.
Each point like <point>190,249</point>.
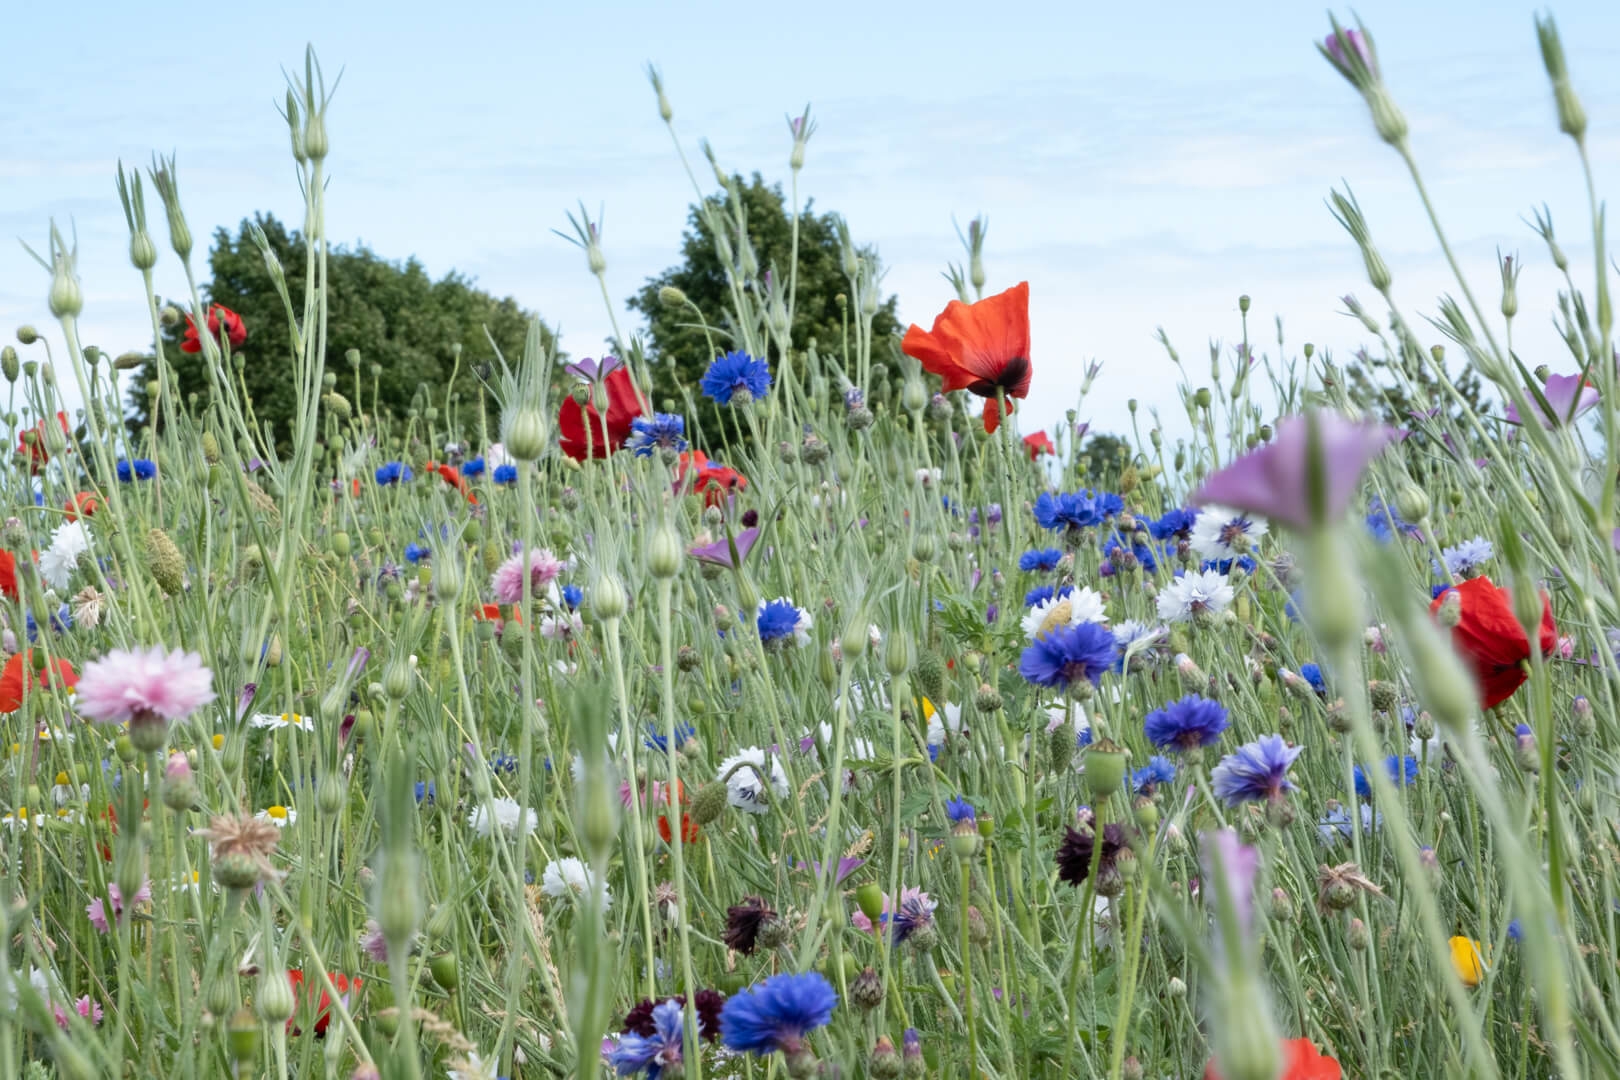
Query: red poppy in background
<point>83,504</point>
<point>14,684</point>
<point>1302,1061</point>
<point>1489,636</point>
<point>8,575</point>
<point>1038,444</point>
<point>982,348</point>
<point>323,1007</point>
<point>31,443</point>
<point>451,476</point>
<point>714,481</point>
<point>624,405</point>
<point>218,314</point>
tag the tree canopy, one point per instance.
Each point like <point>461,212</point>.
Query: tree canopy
<point>677,345</point>
<point>393,313</point>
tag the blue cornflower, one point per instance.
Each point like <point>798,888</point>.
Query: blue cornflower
<point>916,911</point>
<point>503,763</point>
<point>61,622</point>
<point>1403,772</point>
<point>1255,772</point>
<point>1069,655</point>
<point>959,810</point>
<point>777,619</point>
<point>505,474</point>
<point>426,792</point>
<point>141,469</point>
<point>1384,521</point>
<point>1066,510</point>
<point>652,1052</point>
<point>1108,504</point>
<point>733,372</point>
<point>1175,524</point>
<point>777,1014</point>
<point>1336,823</point>
<point>416,553</point>
<point>657,740</point>
<point>664,431</point>
<point>1158,770</point>
<point>394,472</point>
<point>572,596</point>
<point>1041,559</point>
<point>1186,724</point>
<point>1040,594</point>
<point>1295,606</point>
<point>473,467</point>
<point>1245,563</point>
<point>1312,673</point>
<point>39,498</point>
<point>1435,591</point>
<point>1515,930</point>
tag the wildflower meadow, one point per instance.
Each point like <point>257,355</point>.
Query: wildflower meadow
<point>822,719</point>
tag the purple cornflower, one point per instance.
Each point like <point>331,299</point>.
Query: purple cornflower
<point>777,1014</point>
<point>1069,655</point>
<point>916,911</point>
<point>1273,480</point>
<point>651,1052</point>
<point>1235,865</point>
<point>1187,724</point>
<point>1255,772</point>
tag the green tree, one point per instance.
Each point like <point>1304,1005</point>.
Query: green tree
<point>1371,383</point>
<point>398,318</point>
<point>676,342</point>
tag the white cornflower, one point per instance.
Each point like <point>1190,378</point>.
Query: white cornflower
<point>1192,595</point>
<point>58,562</point>
<point>1077,606</point>
<point>1221,533</point>
<point>504,813</point>
<point>745,784</point>
<point>562,627</point>
<point>569,878</point>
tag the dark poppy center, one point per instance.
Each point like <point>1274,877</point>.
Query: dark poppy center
<point>1012,373</point>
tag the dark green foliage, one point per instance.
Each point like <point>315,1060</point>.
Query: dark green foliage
<point>677,346</point>
<point>396,316</point>
<point>1372,385</point>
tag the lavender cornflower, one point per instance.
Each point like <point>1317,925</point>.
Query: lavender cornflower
<point>1069,656</point>
<point>777,1014</point>
<point>733,374</point>
<point>1188,724</point>
<point>1255,772</point>
<point>1465,559</point>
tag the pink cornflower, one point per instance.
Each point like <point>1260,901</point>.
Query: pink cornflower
<point>507,581</point>
<point>98,910</point>
<point>85,1007</point>
<point>373,943</point>
<point>129,682</point>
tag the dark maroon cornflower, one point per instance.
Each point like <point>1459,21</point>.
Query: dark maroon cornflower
<point>743,922</point>
<point>1074,855</point>
<point>708,1004</point>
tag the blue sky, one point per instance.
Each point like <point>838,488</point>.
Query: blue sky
<point>1140,170</point>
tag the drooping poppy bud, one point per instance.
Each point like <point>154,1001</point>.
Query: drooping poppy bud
<point>1488,635</point>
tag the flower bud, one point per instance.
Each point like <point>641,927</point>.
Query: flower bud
<point>607,597</point>
<point>330,793</point>
<point>709,803</point>
<point>1412,503</point>
<point>988,699</point>
<point>398,678</point>
<point>273,1000</point>
<point>445,970</point>
<point>897,654</point>
<point>179,786</point>
<point>869,898</point>
<point>526,438</point>
<point>866,992</point>
<point>671,297</point>
<point>664,552</point>
<point>1105,767</point>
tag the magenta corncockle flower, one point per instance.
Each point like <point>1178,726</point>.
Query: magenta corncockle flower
<point>1335,43</point>
<point>1239,866</point>
<point>1273,482</point>
<point>719,552</point>
<point>85,1007</point>
<point>593,370</point>
<point>507,581</point>
<point>1568,396</point>
<point>128,684</point>
<point>97,910</point>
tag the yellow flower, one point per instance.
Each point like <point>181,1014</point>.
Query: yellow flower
<point>928,709</point>
<point>1466,959</point>
<point>61,779</point>
<point>219,742</point>
<point>279,816</point>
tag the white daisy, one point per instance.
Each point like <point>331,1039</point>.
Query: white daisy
<point>279,816</point>
<point>569,878</point>
<point>745,784</point>
<point>275,722</point>
<point>1222,533</point>
<point>1078,606</point>
<point>562,627</point>
<point>1194,595</point>
<point>17,819</point>
<point>505,813</point>
<point>942,721</point>
<point>58,562</point>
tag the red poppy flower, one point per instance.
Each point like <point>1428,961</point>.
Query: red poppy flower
<point>235,331</point>
<point>31,443</point>
<point>689,830</point>
<point>14,686</point>
<point>83,504</point>
<point>982,348</point>
<point>323,1007</point>
<point>1038,444</point>
<point>450,475</point>
<point>8,575</point>
<point>1302,1061</point>
<point>624,405</point>
<point>1489,636</point>
<point>715,482</point>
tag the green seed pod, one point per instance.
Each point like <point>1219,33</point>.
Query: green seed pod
<point>340,544</point>
<point>1105,767</point>
<point>445,970</point>
<point>163,559</point>
<point>930,675</point>
<point>709,803</point>
<point>242,1036</point>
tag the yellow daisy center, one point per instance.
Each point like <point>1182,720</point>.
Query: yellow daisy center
<point>219,742</point>
<point>61,779</point>
<point>277,812</point>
